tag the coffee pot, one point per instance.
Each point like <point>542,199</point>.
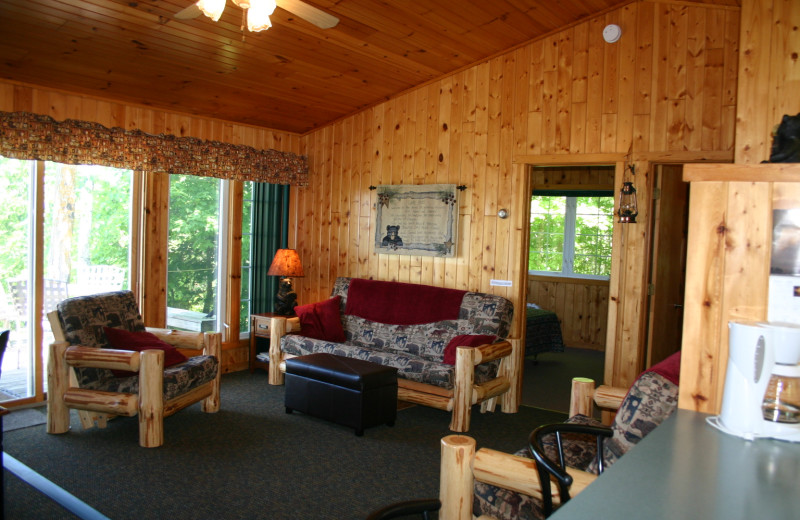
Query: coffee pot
<point>761,396</point>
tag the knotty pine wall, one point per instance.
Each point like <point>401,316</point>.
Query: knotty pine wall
<point>731,209</point>
<point>63,105</point>
<point>581,307</point>
<point>667,87</point>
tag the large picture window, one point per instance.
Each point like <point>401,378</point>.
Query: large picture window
<point>570,235</point>
<point>193,273</point>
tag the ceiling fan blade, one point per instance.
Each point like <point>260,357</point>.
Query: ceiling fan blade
<point>190,13</point>
<point>309,13</point>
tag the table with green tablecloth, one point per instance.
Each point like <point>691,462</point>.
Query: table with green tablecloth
<point>543,332</point>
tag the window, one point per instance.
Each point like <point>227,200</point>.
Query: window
<point>73,240</point>
<point>570,235</point>
<point>247,258</point>
<point>193,279</point>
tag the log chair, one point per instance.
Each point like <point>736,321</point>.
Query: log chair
<point>95,407</point>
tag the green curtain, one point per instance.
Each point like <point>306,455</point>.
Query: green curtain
<point>270,233</point>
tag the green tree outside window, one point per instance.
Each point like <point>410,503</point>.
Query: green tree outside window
<point>571,235</point>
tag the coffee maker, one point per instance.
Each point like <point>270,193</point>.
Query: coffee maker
<point>761,397</point>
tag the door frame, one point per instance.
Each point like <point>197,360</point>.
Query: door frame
<point>625,351</point>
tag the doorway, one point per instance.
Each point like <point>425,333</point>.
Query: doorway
<point>568,271</point>
<point>667,270</point>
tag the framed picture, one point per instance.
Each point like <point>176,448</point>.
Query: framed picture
<point>417,219</point>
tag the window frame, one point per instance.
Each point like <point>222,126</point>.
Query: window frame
<point>570,221</point>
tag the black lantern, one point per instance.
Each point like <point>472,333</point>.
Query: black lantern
<point>627,204</point>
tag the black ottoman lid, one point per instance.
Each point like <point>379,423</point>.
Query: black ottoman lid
<point>342,371</point>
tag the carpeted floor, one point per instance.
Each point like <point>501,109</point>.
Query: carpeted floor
<point>23,418</point>
<point>250,460</point>
<point>547,382</point>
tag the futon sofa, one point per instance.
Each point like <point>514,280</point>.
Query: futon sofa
<point>450,347</point>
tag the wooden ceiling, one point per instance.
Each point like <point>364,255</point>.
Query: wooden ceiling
<point>293,77</point>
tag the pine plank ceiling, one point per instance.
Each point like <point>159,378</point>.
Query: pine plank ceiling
<point>293,77</point>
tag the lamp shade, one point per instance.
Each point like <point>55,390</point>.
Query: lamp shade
<point>286,263</point>
<point>212,8</point>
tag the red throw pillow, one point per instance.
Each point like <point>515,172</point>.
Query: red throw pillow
<point>321,320</point>
<point>465,340</point>
<point>126,340</point>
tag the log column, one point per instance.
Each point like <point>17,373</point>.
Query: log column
<point>582,397</point>
<point>151,399</point>
<point>213,347</point>
<point>462,391</point>
<point>57,385</point>
<point>455,479</point>
<point>277,329</point>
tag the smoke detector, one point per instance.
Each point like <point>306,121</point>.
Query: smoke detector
<point>612,33</point>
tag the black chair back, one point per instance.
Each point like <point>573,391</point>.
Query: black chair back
<point>548,468</point>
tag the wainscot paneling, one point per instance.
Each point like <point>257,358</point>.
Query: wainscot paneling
<point>151,291</point>
<point>668,85</point>
<point>581,307</point>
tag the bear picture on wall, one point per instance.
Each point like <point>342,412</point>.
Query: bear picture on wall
<point>427,214</point>
<point>392,239</point>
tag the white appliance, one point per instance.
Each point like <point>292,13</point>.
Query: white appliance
<point>763,374</point>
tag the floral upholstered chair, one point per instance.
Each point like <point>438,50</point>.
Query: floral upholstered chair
<point>105,363</point>
<point>652,398</point>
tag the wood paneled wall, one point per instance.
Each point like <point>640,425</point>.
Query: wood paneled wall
<point>62,105</point>
<point>581,307</point>
<point>668,85</point>
<point>731,209</point>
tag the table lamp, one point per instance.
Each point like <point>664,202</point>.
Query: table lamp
<point>286,264</point>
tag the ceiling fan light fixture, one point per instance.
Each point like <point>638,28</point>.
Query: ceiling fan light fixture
<point>212,8</point>
<point>258,15</point>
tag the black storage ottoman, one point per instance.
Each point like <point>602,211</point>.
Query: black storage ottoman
<point>351,392</point>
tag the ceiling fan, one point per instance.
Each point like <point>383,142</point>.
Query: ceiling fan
<point>257,12</point>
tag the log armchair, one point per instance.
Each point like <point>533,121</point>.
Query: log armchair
<point>492,485</point>
<point>85,373</point>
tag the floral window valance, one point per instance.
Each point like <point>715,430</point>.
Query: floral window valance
<point>39,137</point>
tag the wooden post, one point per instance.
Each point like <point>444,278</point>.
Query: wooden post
<point>213,347</point>
<point>455,477</point>
<point>582,397</point>
<point>151,399</point>
<point>277,329</point>
<point>57,384</point>
<point>512,368</point>
<point>462,391</point>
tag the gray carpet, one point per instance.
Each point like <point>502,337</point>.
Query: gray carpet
<point>547,382</point>
<point>250,460</point>
<point>23,418</point>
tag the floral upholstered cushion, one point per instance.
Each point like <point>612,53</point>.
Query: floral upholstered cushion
<point>503,504</point>
<point>83,319</point>
<point>178,379</point>
<point>417,350</point>
<point>409,367</point>
<point>650,400</point>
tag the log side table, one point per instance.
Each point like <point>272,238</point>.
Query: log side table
<point>259,339</point>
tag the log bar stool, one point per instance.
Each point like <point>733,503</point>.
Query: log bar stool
<point>351,392</point>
